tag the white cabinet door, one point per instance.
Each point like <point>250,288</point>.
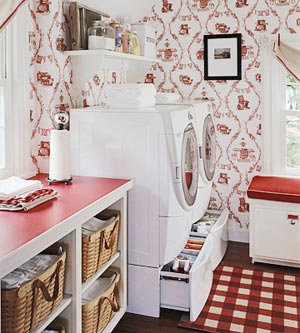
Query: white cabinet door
<point>276,233</point>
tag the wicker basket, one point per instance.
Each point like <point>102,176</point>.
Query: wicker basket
<point>98,248</point>
<point>23,308</point>
<point>98,313</point>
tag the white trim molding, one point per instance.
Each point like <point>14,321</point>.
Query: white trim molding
<point>17,122</point>
<point>273,147</point>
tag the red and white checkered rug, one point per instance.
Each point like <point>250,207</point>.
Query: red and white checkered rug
<point>250,301</point>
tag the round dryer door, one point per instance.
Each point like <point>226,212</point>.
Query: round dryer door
<point>209,148</point>
<point>189,165</point>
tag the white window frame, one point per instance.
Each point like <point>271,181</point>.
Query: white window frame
<point>273,115</point>
<point>17,123</point>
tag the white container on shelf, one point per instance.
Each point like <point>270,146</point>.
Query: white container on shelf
<point>101,43</point>
<point>147,36</point>
<point>101,36</point>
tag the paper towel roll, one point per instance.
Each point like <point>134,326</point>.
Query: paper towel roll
<point>60,165</point>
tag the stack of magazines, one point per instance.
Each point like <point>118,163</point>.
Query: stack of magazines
<point>18,194</point>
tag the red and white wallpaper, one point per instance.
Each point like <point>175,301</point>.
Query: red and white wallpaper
<point>181,24</point>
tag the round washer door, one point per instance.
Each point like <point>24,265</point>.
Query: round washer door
<point>189,165</point>
<point>209,148</point>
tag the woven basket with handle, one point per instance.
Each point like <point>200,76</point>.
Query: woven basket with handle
<point>99,312</point>
<point>23,308</point>
<point>98,248</point>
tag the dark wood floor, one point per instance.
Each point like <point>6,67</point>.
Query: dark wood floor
<point>237,255</point>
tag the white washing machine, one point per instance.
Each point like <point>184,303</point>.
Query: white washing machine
<point>158,148</point>
<point>206,137</point>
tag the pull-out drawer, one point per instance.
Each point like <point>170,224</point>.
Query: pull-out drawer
<point>188,292</point>
<point>219,232</point>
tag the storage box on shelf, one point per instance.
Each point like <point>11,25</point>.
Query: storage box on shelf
<point>188,291</point>
<point>24,307</point>
<point>100,306</point>
<point>99,247</point>
<point>147,36</point>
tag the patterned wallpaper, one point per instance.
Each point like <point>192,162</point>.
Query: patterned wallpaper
<point>181,24</point>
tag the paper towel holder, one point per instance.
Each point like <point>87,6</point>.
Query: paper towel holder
<point>61,119</point>
<point>64,181</point>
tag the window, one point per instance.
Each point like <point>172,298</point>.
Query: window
<point>291,119</point>
<point>14,119</point>
<point>3,98</point>
<point>281,116</point>
<point>4,102</point>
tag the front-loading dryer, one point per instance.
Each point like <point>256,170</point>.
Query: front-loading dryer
<point>206,136</point>
<point>158,148</point>
<point>206,141</point>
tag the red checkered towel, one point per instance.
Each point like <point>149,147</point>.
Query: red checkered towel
<point>28,200</point>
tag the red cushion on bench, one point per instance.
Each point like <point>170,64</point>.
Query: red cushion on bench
<point>275,189</point>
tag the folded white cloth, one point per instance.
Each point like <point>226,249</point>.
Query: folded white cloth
<point>28,271</point>
<point>131,104</point>
<point>130,89</point>
<point>28,200</point>
<point>127,99</point>
<point>97,288</point>
<point>13,186</point>
<point>163,98</point>
<point>94,224</point>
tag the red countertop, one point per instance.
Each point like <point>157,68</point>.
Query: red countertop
<point>18,228</point>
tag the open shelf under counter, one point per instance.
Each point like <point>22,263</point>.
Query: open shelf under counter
<point>55,313</point>
<point>112,324</point>
<point>91,280</point>
<point>86,63</point>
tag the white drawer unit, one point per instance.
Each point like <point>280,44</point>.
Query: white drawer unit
<point>219,234</point>
<point>275,232</point>
<point>189,292</point>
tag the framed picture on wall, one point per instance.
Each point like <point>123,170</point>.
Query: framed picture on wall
<point>222,57</point>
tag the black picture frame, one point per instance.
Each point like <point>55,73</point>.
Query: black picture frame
<point>223,57</point>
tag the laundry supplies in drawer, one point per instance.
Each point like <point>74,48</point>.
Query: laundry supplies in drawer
<point>202,227</point>
<point>213,222</point>
<point>188,291</point>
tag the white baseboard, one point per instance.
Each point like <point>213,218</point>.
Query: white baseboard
<point>238,235</point>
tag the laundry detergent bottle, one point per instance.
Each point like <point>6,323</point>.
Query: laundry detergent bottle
<point>135,47</point>
<point>126,34</point>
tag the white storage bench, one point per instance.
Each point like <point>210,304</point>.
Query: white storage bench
<point>275,220</point>
<point>189,292</point>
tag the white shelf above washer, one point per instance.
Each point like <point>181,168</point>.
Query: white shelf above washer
<point>111,54</point>
<point>86,63</point>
